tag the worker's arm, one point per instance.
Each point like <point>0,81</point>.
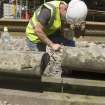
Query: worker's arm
<point>43,19</point>
<point>39,30</point>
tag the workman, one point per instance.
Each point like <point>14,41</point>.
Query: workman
<point>48,18</point>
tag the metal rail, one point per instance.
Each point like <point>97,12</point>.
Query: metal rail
<point>92,28</point>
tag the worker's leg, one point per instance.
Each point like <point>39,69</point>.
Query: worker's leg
<point>36,47</point>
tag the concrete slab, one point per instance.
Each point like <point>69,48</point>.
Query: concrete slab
<point>51,79</point>
<point>78,86</point>
<point>16,97</point>
<point>20,62</point>
<point>75,81</point>
<point>84,82</point>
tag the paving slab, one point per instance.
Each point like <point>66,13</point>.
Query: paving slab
<point>16,97</point>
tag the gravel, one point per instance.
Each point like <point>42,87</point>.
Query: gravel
<point>6,103</point>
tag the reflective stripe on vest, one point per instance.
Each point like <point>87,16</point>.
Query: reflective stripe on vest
<point>53,24</point>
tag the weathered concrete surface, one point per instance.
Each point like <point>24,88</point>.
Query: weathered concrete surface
<point>87,58</point>
<point>23,62</point>
<point>17,58</point>
<point>15,97</point>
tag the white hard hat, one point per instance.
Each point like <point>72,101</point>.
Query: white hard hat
<point>76,12</point>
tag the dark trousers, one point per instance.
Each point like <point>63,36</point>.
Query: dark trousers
<point>58,38</point>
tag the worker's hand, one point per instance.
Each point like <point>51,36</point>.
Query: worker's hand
<point>56,47</point>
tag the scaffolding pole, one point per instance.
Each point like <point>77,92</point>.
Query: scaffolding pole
<point>26,13</point>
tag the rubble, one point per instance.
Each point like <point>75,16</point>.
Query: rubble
<point>6,103</point>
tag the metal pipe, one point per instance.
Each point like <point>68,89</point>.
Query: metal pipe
<point>16,8</point>
<point>95,23</point>
<point>95,32</point>
<point>26,9</point>
<point>21,9</point>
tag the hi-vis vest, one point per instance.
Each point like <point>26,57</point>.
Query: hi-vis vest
<point>53,24</point>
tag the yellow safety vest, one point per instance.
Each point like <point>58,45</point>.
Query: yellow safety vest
<point>53,24</point>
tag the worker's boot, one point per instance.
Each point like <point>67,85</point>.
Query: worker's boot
<point>53,68</point>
